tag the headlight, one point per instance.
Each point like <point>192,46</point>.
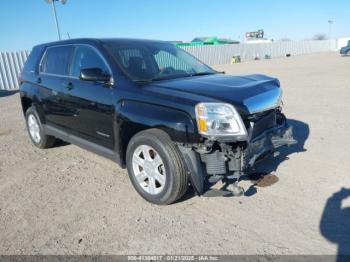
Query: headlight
<point>219,119</point>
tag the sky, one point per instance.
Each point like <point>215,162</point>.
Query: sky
<point>25,23</point>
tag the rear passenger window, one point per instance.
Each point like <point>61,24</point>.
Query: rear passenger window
<point>56,60</point>
<point>86,57</point>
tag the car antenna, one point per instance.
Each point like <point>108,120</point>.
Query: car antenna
<point>68,35</point>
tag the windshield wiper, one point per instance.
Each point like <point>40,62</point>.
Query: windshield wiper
<point>169,77</point>
<point>143,80</point>
<point>202,74</point>
<point>174,77</point>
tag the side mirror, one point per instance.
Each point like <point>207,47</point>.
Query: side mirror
<point>94,74</point>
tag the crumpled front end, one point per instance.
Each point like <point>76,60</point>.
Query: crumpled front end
<point>267,143</point>
<point>267,131</point>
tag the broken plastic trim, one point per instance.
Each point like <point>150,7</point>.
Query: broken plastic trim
<point>265,143</point>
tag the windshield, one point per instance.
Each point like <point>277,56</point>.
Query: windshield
<point>152,61</point>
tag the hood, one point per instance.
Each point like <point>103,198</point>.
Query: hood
<point>249,94</point>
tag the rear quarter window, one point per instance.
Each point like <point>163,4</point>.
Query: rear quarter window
<point>31,65</point>
<point>56,60</point>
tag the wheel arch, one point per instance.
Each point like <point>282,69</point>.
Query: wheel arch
<point>29,101</point>
<point>26,103</point>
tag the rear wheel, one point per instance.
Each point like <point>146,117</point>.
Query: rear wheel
<point>36,131</point>
<point>155,167</point>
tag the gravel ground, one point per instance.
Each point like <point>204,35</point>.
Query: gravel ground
<point>68,201</point>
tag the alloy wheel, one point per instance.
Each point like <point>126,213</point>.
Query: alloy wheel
<point>34,128</point>
<point>149,169</point>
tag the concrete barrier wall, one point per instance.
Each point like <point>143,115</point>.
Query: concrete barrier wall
<point>11,64</point>
<point>222,54</point>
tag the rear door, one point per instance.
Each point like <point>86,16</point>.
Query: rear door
<point>53,71</point>
<point>91,102</point>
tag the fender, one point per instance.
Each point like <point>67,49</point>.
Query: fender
<point>133,117</point>
<point>176,123</point>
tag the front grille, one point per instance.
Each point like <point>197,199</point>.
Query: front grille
<point>262,121</point>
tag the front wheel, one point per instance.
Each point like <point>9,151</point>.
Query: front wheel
<point>155,167</point>
<point>348,53</point>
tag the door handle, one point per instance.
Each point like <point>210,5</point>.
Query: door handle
<point>69,86</point>
<point>38,80</point>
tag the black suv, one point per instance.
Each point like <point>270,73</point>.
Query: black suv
<point>171,120</point>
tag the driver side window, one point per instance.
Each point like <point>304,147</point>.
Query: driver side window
<point>86,57</point>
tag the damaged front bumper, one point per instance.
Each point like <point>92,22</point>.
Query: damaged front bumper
<point>266,143</point>
<point>233,159</point>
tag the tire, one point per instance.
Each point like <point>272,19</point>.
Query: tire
<point>348,53</point>
<point>35,130</point>
<point>161,166</point>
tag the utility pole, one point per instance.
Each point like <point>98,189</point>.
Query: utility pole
<point>330,23</point>
<point>52,2</point>
<point>56,20</point>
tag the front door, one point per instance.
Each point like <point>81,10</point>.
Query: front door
<point>91,102</point>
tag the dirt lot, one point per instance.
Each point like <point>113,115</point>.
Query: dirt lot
<point>68,201</point>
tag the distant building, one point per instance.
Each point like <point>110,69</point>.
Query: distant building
<point>208,41</point>
<point>228,41</point>
<point>257,37</point>
<point>213,40</point>
<point>176,42</point>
